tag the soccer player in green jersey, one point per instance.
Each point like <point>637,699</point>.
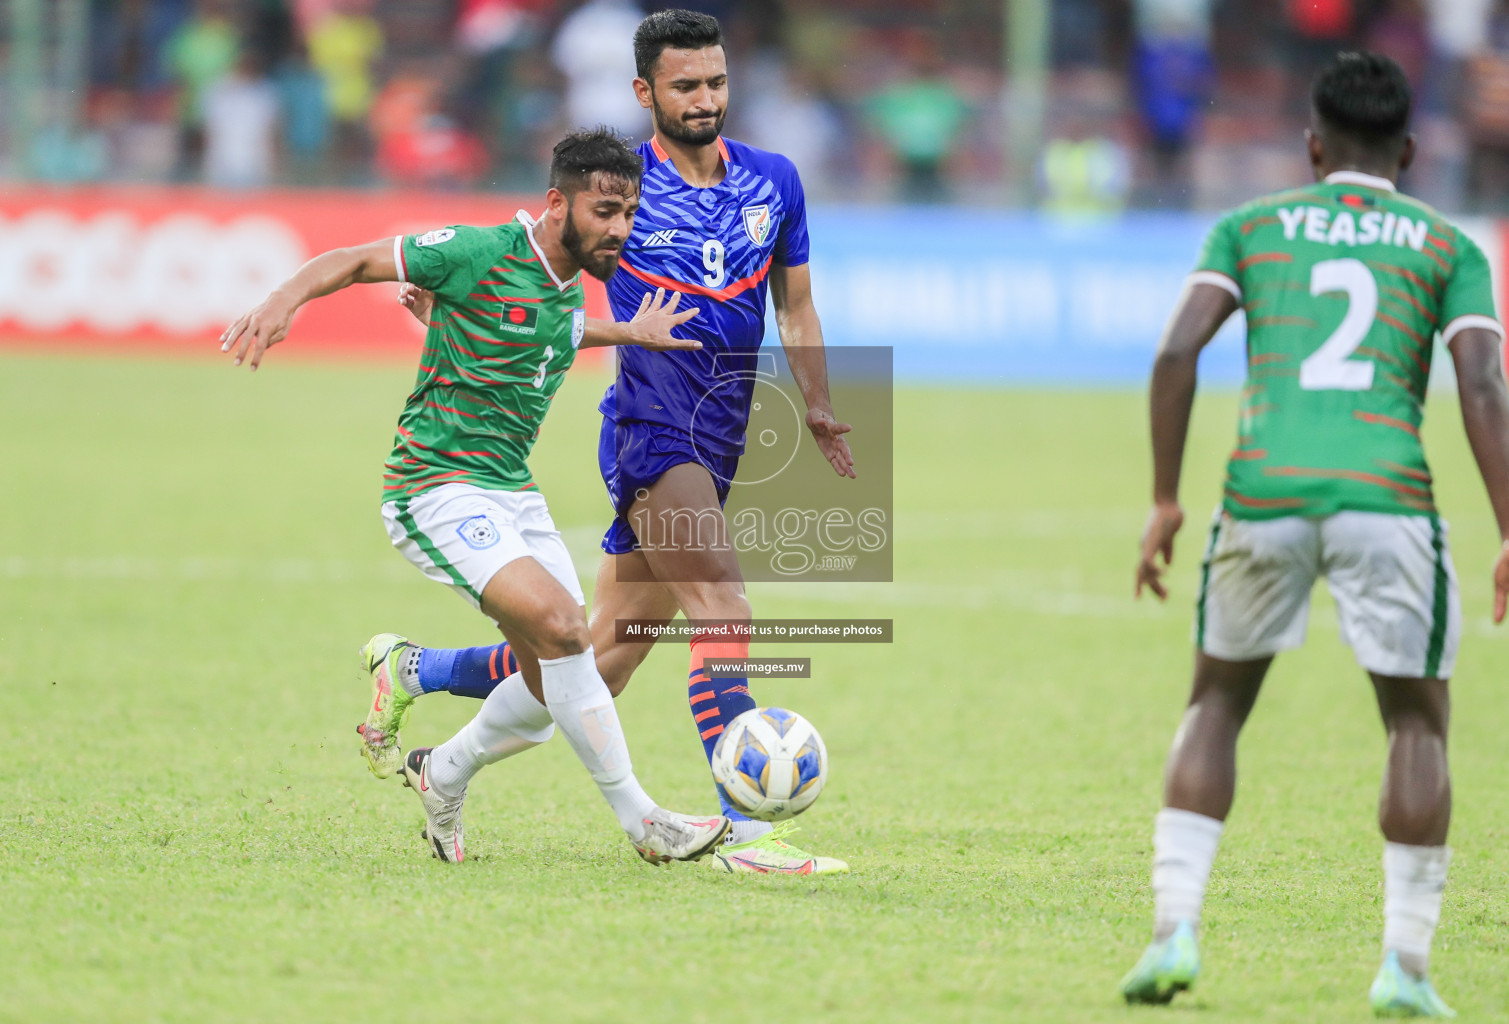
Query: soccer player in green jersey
<point>663,471</point>
<point>1345,284</point>
<point>458,498</point>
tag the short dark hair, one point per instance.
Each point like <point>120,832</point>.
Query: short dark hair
<point>582,154</point>
<point>672,30</point>
<point>1365,97</point>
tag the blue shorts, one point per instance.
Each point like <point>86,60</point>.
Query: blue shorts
<point>633,454</point>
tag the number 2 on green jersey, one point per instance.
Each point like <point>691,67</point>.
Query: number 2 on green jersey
<point>1328,368</point>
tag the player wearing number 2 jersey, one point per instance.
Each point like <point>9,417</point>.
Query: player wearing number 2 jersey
<point>1345,285</point>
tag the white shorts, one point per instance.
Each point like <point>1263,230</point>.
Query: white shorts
<point>1391,577</point>
<point>461,535</point>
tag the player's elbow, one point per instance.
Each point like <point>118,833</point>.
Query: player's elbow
<point>365,271</point>
<point>1481,394</point>
<point>797,325</point>
<point>1174,357</point>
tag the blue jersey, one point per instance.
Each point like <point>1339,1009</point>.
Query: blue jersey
<point>715,246</point>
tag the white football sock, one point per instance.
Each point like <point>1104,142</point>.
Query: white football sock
<point>581,705</point>
<point>1413,878</point>
<point>744,831</point>
<point>1184,846</point>
<point>510,722</point>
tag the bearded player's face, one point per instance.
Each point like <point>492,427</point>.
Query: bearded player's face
<point>689,95</point>
<point>598,222</point>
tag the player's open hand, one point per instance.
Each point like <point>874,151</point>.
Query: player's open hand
<point>1163,522</point>
<point>1501,584</point>
<point>254,333</point>
<point>417,301</point>
<point>652,325</point>
<point>829,435</point>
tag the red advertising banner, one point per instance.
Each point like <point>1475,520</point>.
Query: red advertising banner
<point>172,267</point>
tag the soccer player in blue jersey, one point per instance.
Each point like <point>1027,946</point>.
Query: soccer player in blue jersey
<point>722,224</point>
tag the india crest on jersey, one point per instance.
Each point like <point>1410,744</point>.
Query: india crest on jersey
<point>757,223</point>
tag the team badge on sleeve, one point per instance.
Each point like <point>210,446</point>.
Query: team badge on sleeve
<point>757,223</point>
<point>435,237</point>
<point>578,327</point>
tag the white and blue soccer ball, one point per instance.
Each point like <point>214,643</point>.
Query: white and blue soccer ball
<point>770,763</point>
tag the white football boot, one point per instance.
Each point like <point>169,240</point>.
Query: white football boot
<point>670,836</point>
<point>442,817</point>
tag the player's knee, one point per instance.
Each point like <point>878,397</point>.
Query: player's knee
<point>1416,724</point>
<point>611,666</point>
<point>723,602</point>
<point>1413,707</point>
<point>617,662</point>
<point>614,671</point>
<point>560,633</point>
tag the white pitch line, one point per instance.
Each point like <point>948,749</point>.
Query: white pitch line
<point>136,568</point>
<point>987,524</point>
<point>1042,592</point>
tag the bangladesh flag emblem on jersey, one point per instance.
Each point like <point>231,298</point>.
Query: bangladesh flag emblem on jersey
<point>520,319</point>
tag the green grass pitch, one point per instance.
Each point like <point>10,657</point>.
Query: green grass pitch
<point>190,556</point>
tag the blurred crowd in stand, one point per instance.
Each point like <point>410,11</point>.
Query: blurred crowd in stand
<point>1149,103</point>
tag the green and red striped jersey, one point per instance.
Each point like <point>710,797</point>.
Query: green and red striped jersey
<point>1345,285</point>
<point>503,331</point>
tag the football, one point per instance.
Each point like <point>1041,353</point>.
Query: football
<point>770,763</point>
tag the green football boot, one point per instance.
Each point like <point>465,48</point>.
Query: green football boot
<point>1397,993</point>
<point>771,854</point>
<point>1168,967</point>
<point>390,703</point>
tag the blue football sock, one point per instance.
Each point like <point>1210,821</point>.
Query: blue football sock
<point>716,702</point>
<point>466,672</point>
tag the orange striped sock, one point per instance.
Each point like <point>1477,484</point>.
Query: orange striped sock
<point>468,671</point>
<point>716,701</point>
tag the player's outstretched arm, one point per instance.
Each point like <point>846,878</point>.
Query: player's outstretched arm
<point>266,324</point>
<point>650,328</point>
<point>1485,414</point>
<point>802,338</point>
<point>1201,312</point>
